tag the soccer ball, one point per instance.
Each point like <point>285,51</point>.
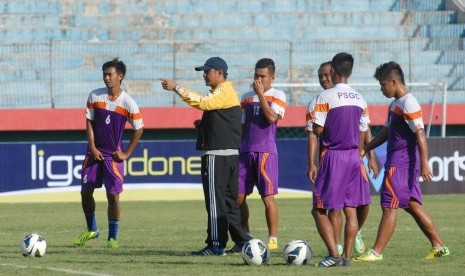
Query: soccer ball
<point>255,252</point>
<point>297,252</point>
<point>33,245</point>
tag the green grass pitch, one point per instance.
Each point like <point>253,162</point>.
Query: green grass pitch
<point>156,238</point>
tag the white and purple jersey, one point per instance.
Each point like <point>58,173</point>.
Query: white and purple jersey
<point>336,109</point>
<point>404,119</point>
<point>258,134</point>
<point>109,118</point>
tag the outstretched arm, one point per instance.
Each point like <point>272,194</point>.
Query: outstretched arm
<point>376,142</point>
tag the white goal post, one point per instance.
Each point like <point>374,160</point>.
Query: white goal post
<point>426,92</point>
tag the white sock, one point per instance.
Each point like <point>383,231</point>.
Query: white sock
<point>275,239</point>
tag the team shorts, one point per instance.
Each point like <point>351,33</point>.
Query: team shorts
<point>258,169</point>
<point>400,185</point>
<point>95,173</point>
<point>339,180</point>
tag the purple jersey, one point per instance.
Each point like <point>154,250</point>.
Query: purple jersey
<point>109,118</point>
<point>404,119</point>
<point>336,109</point>
<point>258,134</point>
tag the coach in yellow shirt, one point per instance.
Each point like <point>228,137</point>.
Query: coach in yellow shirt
<point>219,140</point>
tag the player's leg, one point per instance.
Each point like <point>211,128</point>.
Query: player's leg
<point>271,214</point>
<point>267,186</point>
<point>426,224</point>
<point>362,214</point>
<point>91,178</point>
<point>113,213</point>
<point>392,195</point>
<point>246,183</point>
<point>113,178</point>
<point>335,217</point>
<point>386,229</point>
<point>350,232</point>
<point>325,229</point>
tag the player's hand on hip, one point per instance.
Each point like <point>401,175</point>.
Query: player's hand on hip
<point>119,156</point>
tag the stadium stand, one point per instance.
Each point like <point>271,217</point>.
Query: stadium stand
<point>52,50</point>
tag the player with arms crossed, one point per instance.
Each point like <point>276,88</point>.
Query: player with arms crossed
<point>340,120</point>
<point>407,156</point>
<point>219,141</point>
<point>108,110</point>
<point>258,161</point>
<point>335,216</point>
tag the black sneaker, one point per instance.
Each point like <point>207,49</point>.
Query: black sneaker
<point>329,262</point>
<point>209,251</point>
<point>345,262</point>
<point>236,249</point>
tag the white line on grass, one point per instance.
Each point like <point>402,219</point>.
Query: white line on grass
<point>64,270</point>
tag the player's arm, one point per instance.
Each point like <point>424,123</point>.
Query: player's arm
<point>96,154</point>
<point>123,155</point>
<point>425,170</point>
<point>372,164</point>
<point>376,142</point>
<point>259,89</point>
<point>312,147</point>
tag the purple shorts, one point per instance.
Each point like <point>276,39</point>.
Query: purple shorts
<point>339,182</point>
<point>95,173</point>
<point>258,169</point>
<point>400,185</point>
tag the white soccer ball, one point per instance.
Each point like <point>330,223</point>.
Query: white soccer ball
<point>33,245</point>
<point>297,252</point>
<point>255,252</point>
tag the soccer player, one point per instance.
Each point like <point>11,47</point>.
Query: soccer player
<point>340,120</point>
<point>108,110</point>
<point>258,160</point>
<point>219,139</point>
<point>335,216</point>
<point>407,156</point>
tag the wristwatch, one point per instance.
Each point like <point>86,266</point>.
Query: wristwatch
<point>177,88</point>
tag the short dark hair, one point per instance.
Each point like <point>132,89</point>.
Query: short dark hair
<point>119,66</point>
<point>266,63</point>
<point>385,70</point>
<point>324,64</point>
<point>342,64</point>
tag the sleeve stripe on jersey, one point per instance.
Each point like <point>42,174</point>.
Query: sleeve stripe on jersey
<point>246,101</point>
<point>275,100</point>
<point>322,107</point>
<point>126,113</point>
<point>413,116</point>
<point>309,116</point>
